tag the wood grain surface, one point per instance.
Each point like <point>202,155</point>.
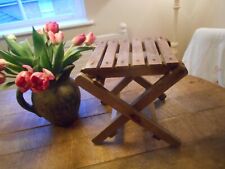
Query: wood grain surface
<point>193,111</point>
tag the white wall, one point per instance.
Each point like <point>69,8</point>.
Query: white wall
<point>152,17</point>
<point>199,13</point>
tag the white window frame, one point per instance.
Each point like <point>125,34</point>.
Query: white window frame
<point>24,27</point>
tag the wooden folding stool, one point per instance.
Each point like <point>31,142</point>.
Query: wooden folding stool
<point>132,60</point>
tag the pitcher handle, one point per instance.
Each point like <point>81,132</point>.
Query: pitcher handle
<point>22,102</point>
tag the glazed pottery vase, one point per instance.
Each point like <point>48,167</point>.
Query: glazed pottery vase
<point>59,104</point>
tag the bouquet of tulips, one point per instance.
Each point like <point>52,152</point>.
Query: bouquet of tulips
<point>36,67</point>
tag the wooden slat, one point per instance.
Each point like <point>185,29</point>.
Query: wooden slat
<point>96,56</point>
<point>110,54</point>
<point>153,56</point>
<point>166,52</point>
<point>123,55</point>
<point>141,70</point>
<point>137,53</point>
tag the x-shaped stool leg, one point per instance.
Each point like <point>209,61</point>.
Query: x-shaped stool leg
<point>131,112</point>
<point>116,90</point>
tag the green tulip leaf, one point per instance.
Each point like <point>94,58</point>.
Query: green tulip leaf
<point>14,59</point>
<point>22,60</point>
<point>58,58</point>
<point>65,73</point>
<point>10,71</point>
<point>50,50</point>
<point>9,58</point>
<point>40,51</point>
<point>26,46</point>
<point>36,64</point>
<point>18,49</point>
<point>15,68</point>
<point>75,55</point>
<point>7,85</point>
<point>71,59</point>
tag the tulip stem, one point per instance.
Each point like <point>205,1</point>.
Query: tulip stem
<point>10,76</point>
<point>68,50</point>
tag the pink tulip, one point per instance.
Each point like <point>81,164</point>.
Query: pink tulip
<point>59,37</point>
<point>49,74</point>
<point>40,80</point>
<point>56,38</point>
<point>51,36</point>
<point>40,31</point>
<point>23,79</point>
<point>2,77</point>
<point>3,64</point>
<point>29,69</point>
<point>79,39</point>
<point>52,26</point>
<point>90,38</point>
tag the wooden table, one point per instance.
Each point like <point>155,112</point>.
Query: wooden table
<point>194,110</point>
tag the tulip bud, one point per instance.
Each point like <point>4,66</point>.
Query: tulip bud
<point>90,38</point>
<point>40,81</point>
<point>52,26</point>
<point>51,36</point>
<point>79,39</point>
<point>48,73</point>
<point>59,37</point>
<point>3,64</point>
<point>23,79</point>
<point>12,37</point>
<point>2,77</point>
<point>56,38</point>
<point>29,68</point>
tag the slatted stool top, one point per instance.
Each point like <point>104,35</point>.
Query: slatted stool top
<point>131,58</point>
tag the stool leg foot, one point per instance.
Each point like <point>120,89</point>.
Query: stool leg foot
<point>97,142</point>
<point>113,134</point>
<point>162,97</point>
<point>103,103</point>
<point>110,130</point>
<point>156,137</point>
